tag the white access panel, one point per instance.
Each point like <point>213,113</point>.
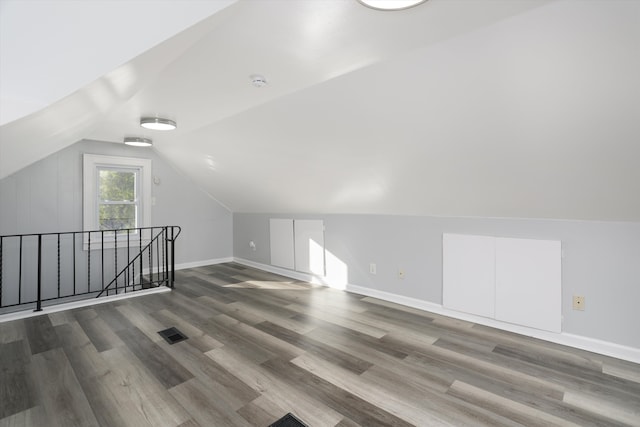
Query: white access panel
<point>309,246</point>
<point>281,242</point>
<point>528,283</point>
<point>468,274</point>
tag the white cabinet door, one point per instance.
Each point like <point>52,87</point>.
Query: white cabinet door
<point>512,280</point>
<point>468,274</point>
<point>528,283</point>
<point>309,246</point>
<point>281,242</point>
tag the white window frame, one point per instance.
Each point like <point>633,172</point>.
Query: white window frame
<point>91,164</point>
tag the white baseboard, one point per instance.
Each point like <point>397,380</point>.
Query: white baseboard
<point>185,265</point>
<point>577,341</point>
<point>316,280</point>
<point>203,263</point>
<point>80,303</point>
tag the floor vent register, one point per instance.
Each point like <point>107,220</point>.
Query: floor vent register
<point>172,335</point>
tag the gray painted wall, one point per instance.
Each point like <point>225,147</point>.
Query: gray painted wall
<point>47,197</point>
<point>601,260</point>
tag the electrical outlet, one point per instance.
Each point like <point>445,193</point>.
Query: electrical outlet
<point>252,245</point>
<point>578,302</point>
<point>372,268</point>
<point>400,273</point>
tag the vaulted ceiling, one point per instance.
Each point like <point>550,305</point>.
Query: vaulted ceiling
<point>494,108</point>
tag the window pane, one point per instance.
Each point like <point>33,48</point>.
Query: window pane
<point>116,216</point>
<point>117,185</point>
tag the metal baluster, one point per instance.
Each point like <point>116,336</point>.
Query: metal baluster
<point>74,262</point>
<point>158,259</point>
<point>115,258</point>
<point>151,256</point>
<point>140,254</point>
<point>133,275</point>
<point>102,257</point>
<point>128,261</point>
<point>20,274</point>
<point>89,263</point>
<point>58,265</point>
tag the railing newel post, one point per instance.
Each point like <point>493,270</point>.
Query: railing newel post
<point>1,262</point>
<point>173,258</point>
<point>165,256</point>
<point>39,302</point>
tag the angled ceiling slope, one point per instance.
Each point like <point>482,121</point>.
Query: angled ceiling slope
<point>462,108</point>
<point>69,44</point>
<point>38,71</point>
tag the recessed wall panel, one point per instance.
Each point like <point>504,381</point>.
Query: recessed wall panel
<point>469,274</point>
<point>528,283</point>
<point>281,242</point>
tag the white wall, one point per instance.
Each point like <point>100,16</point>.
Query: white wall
<point>56,64</point>
<point>601,260</point>
<point>47,197</point>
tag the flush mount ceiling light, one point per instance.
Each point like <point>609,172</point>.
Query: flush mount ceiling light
<point>391,4</point>
<point>257,80</point>
<point>156,123</point>
<point>137,141</point>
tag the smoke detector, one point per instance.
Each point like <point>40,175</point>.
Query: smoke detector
<point>257,80</point>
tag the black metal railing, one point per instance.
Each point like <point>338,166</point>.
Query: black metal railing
<point>60,267</point>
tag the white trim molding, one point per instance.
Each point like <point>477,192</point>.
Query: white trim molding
<point>606,348</point>
<point>90,165</point>
<point>81,303</point>
<point>23,314</point>
<point>577,341</point>
<point>202,263</point>
<point>316,280</point>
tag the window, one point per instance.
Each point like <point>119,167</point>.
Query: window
<point>118,203</point>
<point>117,193</point>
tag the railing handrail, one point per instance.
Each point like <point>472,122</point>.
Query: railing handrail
<point>179,231</point>
<point>54,233</point>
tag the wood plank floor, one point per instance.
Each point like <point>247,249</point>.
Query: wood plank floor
<point>262,345</point>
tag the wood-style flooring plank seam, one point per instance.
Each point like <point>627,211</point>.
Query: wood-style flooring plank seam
<point>261,345</point>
